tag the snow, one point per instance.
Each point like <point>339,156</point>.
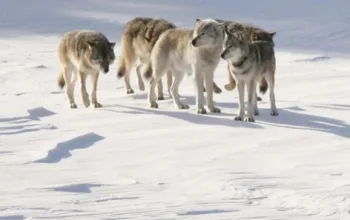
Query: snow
<point>127,161</point>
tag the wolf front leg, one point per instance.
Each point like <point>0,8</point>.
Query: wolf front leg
<point>240,88</point>
<point>209,79</point>
<point>94,79</point>
<point>198,81</point>
<point>174,90</point>
<point>140,83</point>
<point>84,94</point>
<point>251,87</point>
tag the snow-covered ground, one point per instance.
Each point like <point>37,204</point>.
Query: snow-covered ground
<point>127,161</point>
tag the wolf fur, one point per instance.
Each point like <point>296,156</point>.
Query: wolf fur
<point>249,62</point>
<point>137,41</point>
<point>83,53</point>
<point>187,50</point>
<point>252,33</point>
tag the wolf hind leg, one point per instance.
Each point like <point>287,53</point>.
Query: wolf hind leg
<point>270,78</point>
<point>70,79</point>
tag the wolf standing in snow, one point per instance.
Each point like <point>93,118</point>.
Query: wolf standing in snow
<point>138,39</point>
<point>188,50</point>
<point>83,53</point>
<point>251,33</point>
<point>248,63</point>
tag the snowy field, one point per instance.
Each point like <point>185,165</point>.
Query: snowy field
<point>127,161</point>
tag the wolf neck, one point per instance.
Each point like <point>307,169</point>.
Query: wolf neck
<point>240,62</point>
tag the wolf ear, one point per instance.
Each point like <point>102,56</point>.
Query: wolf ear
<point>198,19</point>
<point>272,34</point>
<point>111,45</point>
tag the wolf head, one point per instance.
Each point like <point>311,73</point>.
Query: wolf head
<point>101,54</point>
<point>208,32</point>
<point>236,46</point>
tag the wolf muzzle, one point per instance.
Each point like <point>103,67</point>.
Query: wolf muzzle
<point>105,67</point>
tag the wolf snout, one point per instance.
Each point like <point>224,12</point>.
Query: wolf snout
<point>223,55</point>
<point>106,69</point>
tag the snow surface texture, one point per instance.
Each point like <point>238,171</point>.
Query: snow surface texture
<point>127,161</point>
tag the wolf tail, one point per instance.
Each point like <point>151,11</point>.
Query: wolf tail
<point>148,70</point>
<point>60,81</point>
<point>263,86</point>
<point>127,56</point>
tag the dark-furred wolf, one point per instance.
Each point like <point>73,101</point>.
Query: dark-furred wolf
<point>248,63</point>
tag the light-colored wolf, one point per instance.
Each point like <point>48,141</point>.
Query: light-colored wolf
<point>195,51</point>
<point>83,53</point>
<point>250,62</point>
<point>138,39</point>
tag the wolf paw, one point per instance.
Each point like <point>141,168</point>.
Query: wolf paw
<point>215,110</point>
<point>142,87</point>
<point>96,105</point>
<point>229,87</point>
<point>238,118</point>
<point>73,105</point>
<point>258,98</point>
<point>201,111</point>
<point>249,119</point>
<point>274,112</point>
<point>154,105</point>
<point>183,106</point>
<point>160,98</point>
<point>217,90</point>
<point>256,112</point>
<point>129,91</point>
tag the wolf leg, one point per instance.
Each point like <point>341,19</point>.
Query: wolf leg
<point>240,88</point>
<point>169,76</point>
<point>84,94</point>
<point>270,78</point>
<point>160,95</point>
<point>140,83</point>
<point>94,79</point>
<point>251,86</point>
<point>67,75</point>
<point>208,79</point>
<point>198,79</point>
<point>174,90</point>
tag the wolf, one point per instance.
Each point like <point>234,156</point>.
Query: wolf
<point>195,51</point>
<point>83,53</point>
<point>138,39</point>
<point>249,62</point>
<point>252,33</point>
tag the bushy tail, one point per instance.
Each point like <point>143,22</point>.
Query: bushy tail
<point>60,81</point>
<point>148,71</point>
<point>263,86</point>
<point>121,69</point>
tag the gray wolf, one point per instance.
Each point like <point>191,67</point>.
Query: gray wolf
<point>83,53</point>
<point>252,33</point>
<point>138,39</point>
<point>187,50</point>
<point>249,62</point>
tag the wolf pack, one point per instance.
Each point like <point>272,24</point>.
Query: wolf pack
<point>157,47</point>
